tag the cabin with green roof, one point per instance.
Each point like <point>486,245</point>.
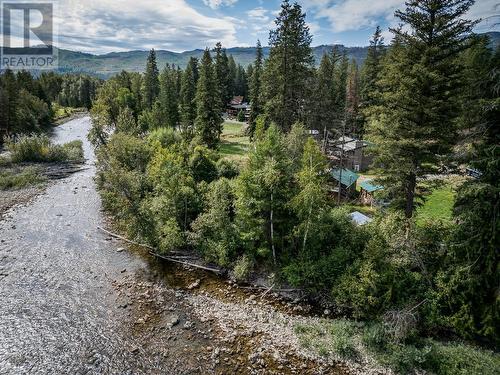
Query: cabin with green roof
<point>347,179</point>
<point>367,191</point>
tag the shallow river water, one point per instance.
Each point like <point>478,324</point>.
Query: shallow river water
<point>58,306</point>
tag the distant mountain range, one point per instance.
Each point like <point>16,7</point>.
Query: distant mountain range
<point>109,64</point>
<point>135,61</point>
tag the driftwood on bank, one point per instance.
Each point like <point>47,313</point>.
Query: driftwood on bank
<point>152,251</point>
<point>177,259</point>
<point>265,288</point>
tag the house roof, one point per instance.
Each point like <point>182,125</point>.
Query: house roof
<point>359,218</point>
<point>348,177</point>
<point>349,144</point>
<point>369,186</point>
<point>236,100</point>
<point>240,106</point>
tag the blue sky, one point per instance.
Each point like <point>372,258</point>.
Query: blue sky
<point>101,26</point>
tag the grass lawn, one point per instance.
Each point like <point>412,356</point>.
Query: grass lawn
<point>438,205</point>
<point>234,143</point>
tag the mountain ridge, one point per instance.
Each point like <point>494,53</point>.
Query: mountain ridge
<point>111,63</point>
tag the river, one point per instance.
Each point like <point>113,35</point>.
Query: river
<point>73,300</point>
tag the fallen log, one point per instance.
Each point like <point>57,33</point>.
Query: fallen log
<point>125,239</point>
<point>256,287</point>
<point>152,251</point>
<point>175,260</point>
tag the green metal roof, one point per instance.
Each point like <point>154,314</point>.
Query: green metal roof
<point>369,187</point>
<point>348,176</point>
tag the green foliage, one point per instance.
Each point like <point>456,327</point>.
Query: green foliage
<point>165,137</point>
<point>123,182</point>
<point>227,168</point>
<point>208,123</point>
<point>12,178</point>
<point>242,267</point>
<point>328,337</point>
<point>333,244</point>
<point>169,97</point>
<point>75,90</point>
<point>256,89</point>
<point>213,232</point>
<point>126,122</point>
<point>241,116</point>
<point>461,359</point>
<point>222,76</point>
<point>288,68</point>
<point>187,98</point>
<point>263,190</point>
<point>151,84</point>
<point>421,72</point>
<point>202,162</point>
<point>40,149</point>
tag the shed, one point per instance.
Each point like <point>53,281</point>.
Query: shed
<point>367,190</point>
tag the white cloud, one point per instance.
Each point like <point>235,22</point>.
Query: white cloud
<point>258,14</point>
<point>349,15</point>
<point>112,25</point>
<point>214,4</point>
<point>259,20</point>
<point>353,14</point>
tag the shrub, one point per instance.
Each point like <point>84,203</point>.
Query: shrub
<point>342,333</point>
<point>73,151</point>
<point>164,136</point>
<point>12,179</point>
<point>242,268</point>
<point>227,168</point>
<point>336,336</point>
<point>374,337</point>
<point>39,149</point>
<point>241,116</point>
<point>460,359</point>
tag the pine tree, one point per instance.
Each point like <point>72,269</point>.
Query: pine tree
<point>371,70</point>
<point>340,90</point>
<point>311,198</point>
<point>168,96</point>
<point>241,85</point>
<point>322,102</point>
<point>232,75</point>
<point>288,68</point>
<point>187,97</point>
<point>468,289</point>
<point>415,121</point>
<point>151,87</point>
<point>263,192</point>
<point>256,88</point>
<point>208,123</point>
<point>352,101</point>
<point>222,74</point>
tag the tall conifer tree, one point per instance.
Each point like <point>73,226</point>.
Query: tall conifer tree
<point>289,67</point>
<point>256,88</point>
<point>187,97</point>
<point>208,123</point>
<point>151,81</point>
<point>415,121</point>
<point>222,74</point>
<point>168,96</point>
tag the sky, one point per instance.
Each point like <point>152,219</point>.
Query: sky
<point>102,26</point>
